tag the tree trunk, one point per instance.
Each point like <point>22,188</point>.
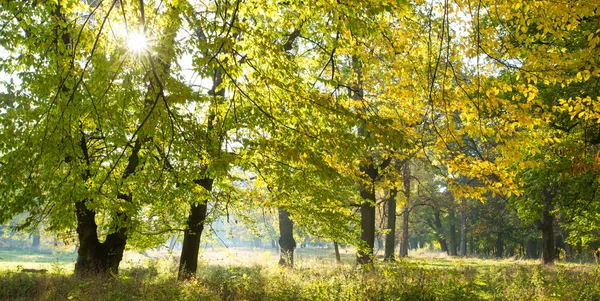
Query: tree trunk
<point>286,239</point>
<point>463,227</point>
<point>391,226</point>
<point>547,227</point>
<point>548,251</point>
<point>413,243</point>
<point>35,244</point>
<point>453,245</point>
<point>338,258</point>
<point>405,213</point>
<point>188,261</point>
<point>404,237</point>
<point>172,242</point>
<point>94,257</point>
<point>499,246</point>
<point>367,226</point>
<point>440,231</point>
<point>471,246</point>
<point>367,192</point>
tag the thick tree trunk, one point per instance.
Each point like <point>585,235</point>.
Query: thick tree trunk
<point>547,227</point>
<point>367,226</point>
<point>188,260</point>
<point>93,257</point>
<point>338,258</point>
<point>391,226</point>
<point>453,246</point>
<point>287,243</point>
<point>463,227</point>
<point>548,251</point>
<point>499,246</point>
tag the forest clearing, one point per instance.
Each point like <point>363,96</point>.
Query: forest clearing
<point>300,150</point>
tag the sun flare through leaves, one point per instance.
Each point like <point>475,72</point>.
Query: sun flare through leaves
<point>137,42</point>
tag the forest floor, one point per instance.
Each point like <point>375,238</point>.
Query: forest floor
<point>253,274</point>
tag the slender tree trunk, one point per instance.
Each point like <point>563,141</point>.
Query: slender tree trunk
<point>471,246</point>
<point>463,227</point>
<point>547,227</point>
<point>287,243</point>
<point>391,226</point>
<point>338,258</point>
<point>35,244</point>
<point>452,219</point>
<point>188,261</point>
<point>405,213</point>
<point>172,242</point>
<point>440,231</point>
<point>499,246</point>
<point>404,237</point>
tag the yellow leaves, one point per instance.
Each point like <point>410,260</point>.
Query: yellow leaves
<point>581,107</point>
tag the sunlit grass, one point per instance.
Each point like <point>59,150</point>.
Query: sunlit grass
<point>253,274</point>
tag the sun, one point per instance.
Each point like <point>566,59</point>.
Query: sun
<point>137,42</point>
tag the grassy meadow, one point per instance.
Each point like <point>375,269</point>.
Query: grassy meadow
<point>246,274</point>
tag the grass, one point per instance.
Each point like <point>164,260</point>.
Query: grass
<point>52,261</point>
<point>241,274</point>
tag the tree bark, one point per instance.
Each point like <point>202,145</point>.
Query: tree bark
<point>404,237</point>
<point>440,231</point>
<point>94,257</point>
<point>367,226</point>
<point>548,251</point>
<point>499,246</point>
<point>274,244</point>
<point>453,246</point>
<point>35,244</point>
<point>463,227</point>
<point>188,260</point>
<point>405,213</point>
<point>188,263</point>
<point>286,239</point>
<point>547,227</point>
<point>338,258</point>
<point>391,226</point>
